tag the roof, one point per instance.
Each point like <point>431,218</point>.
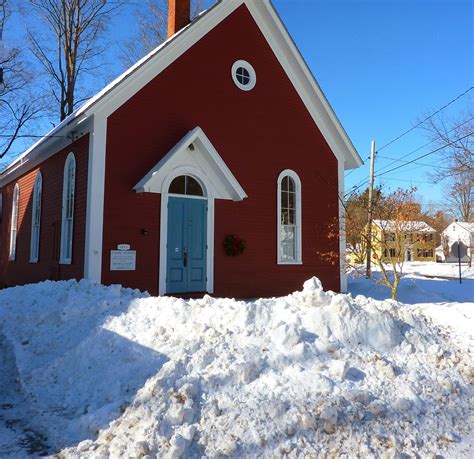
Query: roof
<point>279,40</point>
<point>411,225</point>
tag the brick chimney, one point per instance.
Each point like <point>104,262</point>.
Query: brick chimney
<point>178,15</point>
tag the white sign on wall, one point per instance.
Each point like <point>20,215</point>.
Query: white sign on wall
<point>123,260</point>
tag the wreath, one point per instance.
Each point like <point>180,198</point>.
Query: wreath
<point>233,245</point>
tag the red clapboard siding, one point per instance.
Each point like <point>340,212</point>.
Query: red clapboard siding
<point>21,271</point>
<point>258,133</point>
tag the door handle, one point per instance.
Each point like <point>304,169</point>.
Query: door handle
<point>185,258</point>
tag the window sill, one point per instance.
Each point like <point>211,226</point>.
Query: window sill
<point>32,260</point>
<point>289,262</point>
<point>11,258</point>
<point>65,262</point>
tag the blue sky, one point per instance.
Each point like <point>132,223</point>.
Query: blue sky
<point>382,64</point>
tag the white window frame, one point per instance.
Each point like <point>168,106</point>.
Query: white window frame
<point>36,218</point>
<point>252,74</point>
<point>14,222</point>
<point>66,246</point>
<point>298,229</point>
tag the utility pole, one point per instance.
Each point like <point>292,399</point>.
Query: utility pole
<point>368,270</point>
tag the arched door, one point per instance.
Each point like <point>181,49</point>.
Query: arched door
<point>186,248</point>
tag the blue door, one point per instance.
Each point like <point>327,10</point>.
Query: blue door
<point>186,245</point>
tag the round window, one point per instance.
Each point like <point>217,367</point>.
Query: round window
<point>244,75</point>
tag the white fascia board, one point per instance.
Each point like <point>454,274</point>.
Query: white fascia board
<point>204,158</point>
<point>304,82</point>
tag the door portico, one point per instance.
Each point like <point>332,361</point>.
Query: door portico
<point>193,156</point>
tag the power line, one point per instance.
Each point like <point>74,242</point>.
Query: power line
<point>415,162</point>
<point>426,119</point>
<point>426,154</point>
<point>405,180</point>
<point>364,181</point>
<point>426,144</point>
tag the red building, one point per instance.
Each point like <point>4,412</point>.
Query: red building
<point>222,130</point>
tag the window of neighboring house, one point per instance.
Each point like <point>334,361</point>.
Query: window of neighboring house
<point>36,218</point>
<point>428,253</point>
<point>419,253</point>
<point>67,219</point>
<point>390,237</point>
<point>289,218</point>
<point>389,253</point>
<point>14,223</point>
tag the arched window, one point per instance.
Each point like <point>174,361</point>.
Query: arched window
<point>36,218</point>
<point>185,184</point>
<point>289,218</point>
<point>67,220</point>
<point>14,224</point>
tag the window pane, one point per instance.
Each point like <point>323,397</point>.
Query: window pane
<point>287,243</point>
<point>291,184</point>
<point>291,217</point>
<point>284,183</point>
<point>178,185</point>
<point>193,188</point>
<point>291,200</point>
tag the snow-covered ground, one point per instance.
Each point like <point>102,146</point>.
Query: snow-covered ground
<point>96,371</point>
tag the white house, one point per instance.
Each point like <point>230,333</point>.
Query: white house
<point>459,231</point>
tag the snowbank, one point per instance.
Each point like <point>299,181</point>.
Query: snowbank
<point>111,371</point>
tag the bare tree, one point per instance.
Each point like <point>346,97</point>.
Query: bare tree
<point>456,136</point>
<point>17,106</point>
<point>72,43</point>
<point>460,198</point>
<point>152,21</point>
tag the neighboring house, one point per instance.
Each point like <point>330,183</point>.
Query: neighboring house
<point>222,130</point>
<point>455,232</point>
<point>404,241</point>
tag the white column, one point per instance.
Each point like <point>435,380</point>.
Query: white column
<point>95,200</point>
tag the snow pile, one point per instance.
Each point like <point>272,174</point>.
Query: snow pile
<point>111,371</point>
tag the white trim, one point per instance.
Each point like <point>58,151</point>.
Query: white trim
<point>36,244</point>
<point>298,228</point>
<point>252,75</point>
<point>205,162</point>
<point>342,229</point>
<point>95,200</point>
<point>193,172</point>
<point>14,222</point>
<point>62,259</point>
